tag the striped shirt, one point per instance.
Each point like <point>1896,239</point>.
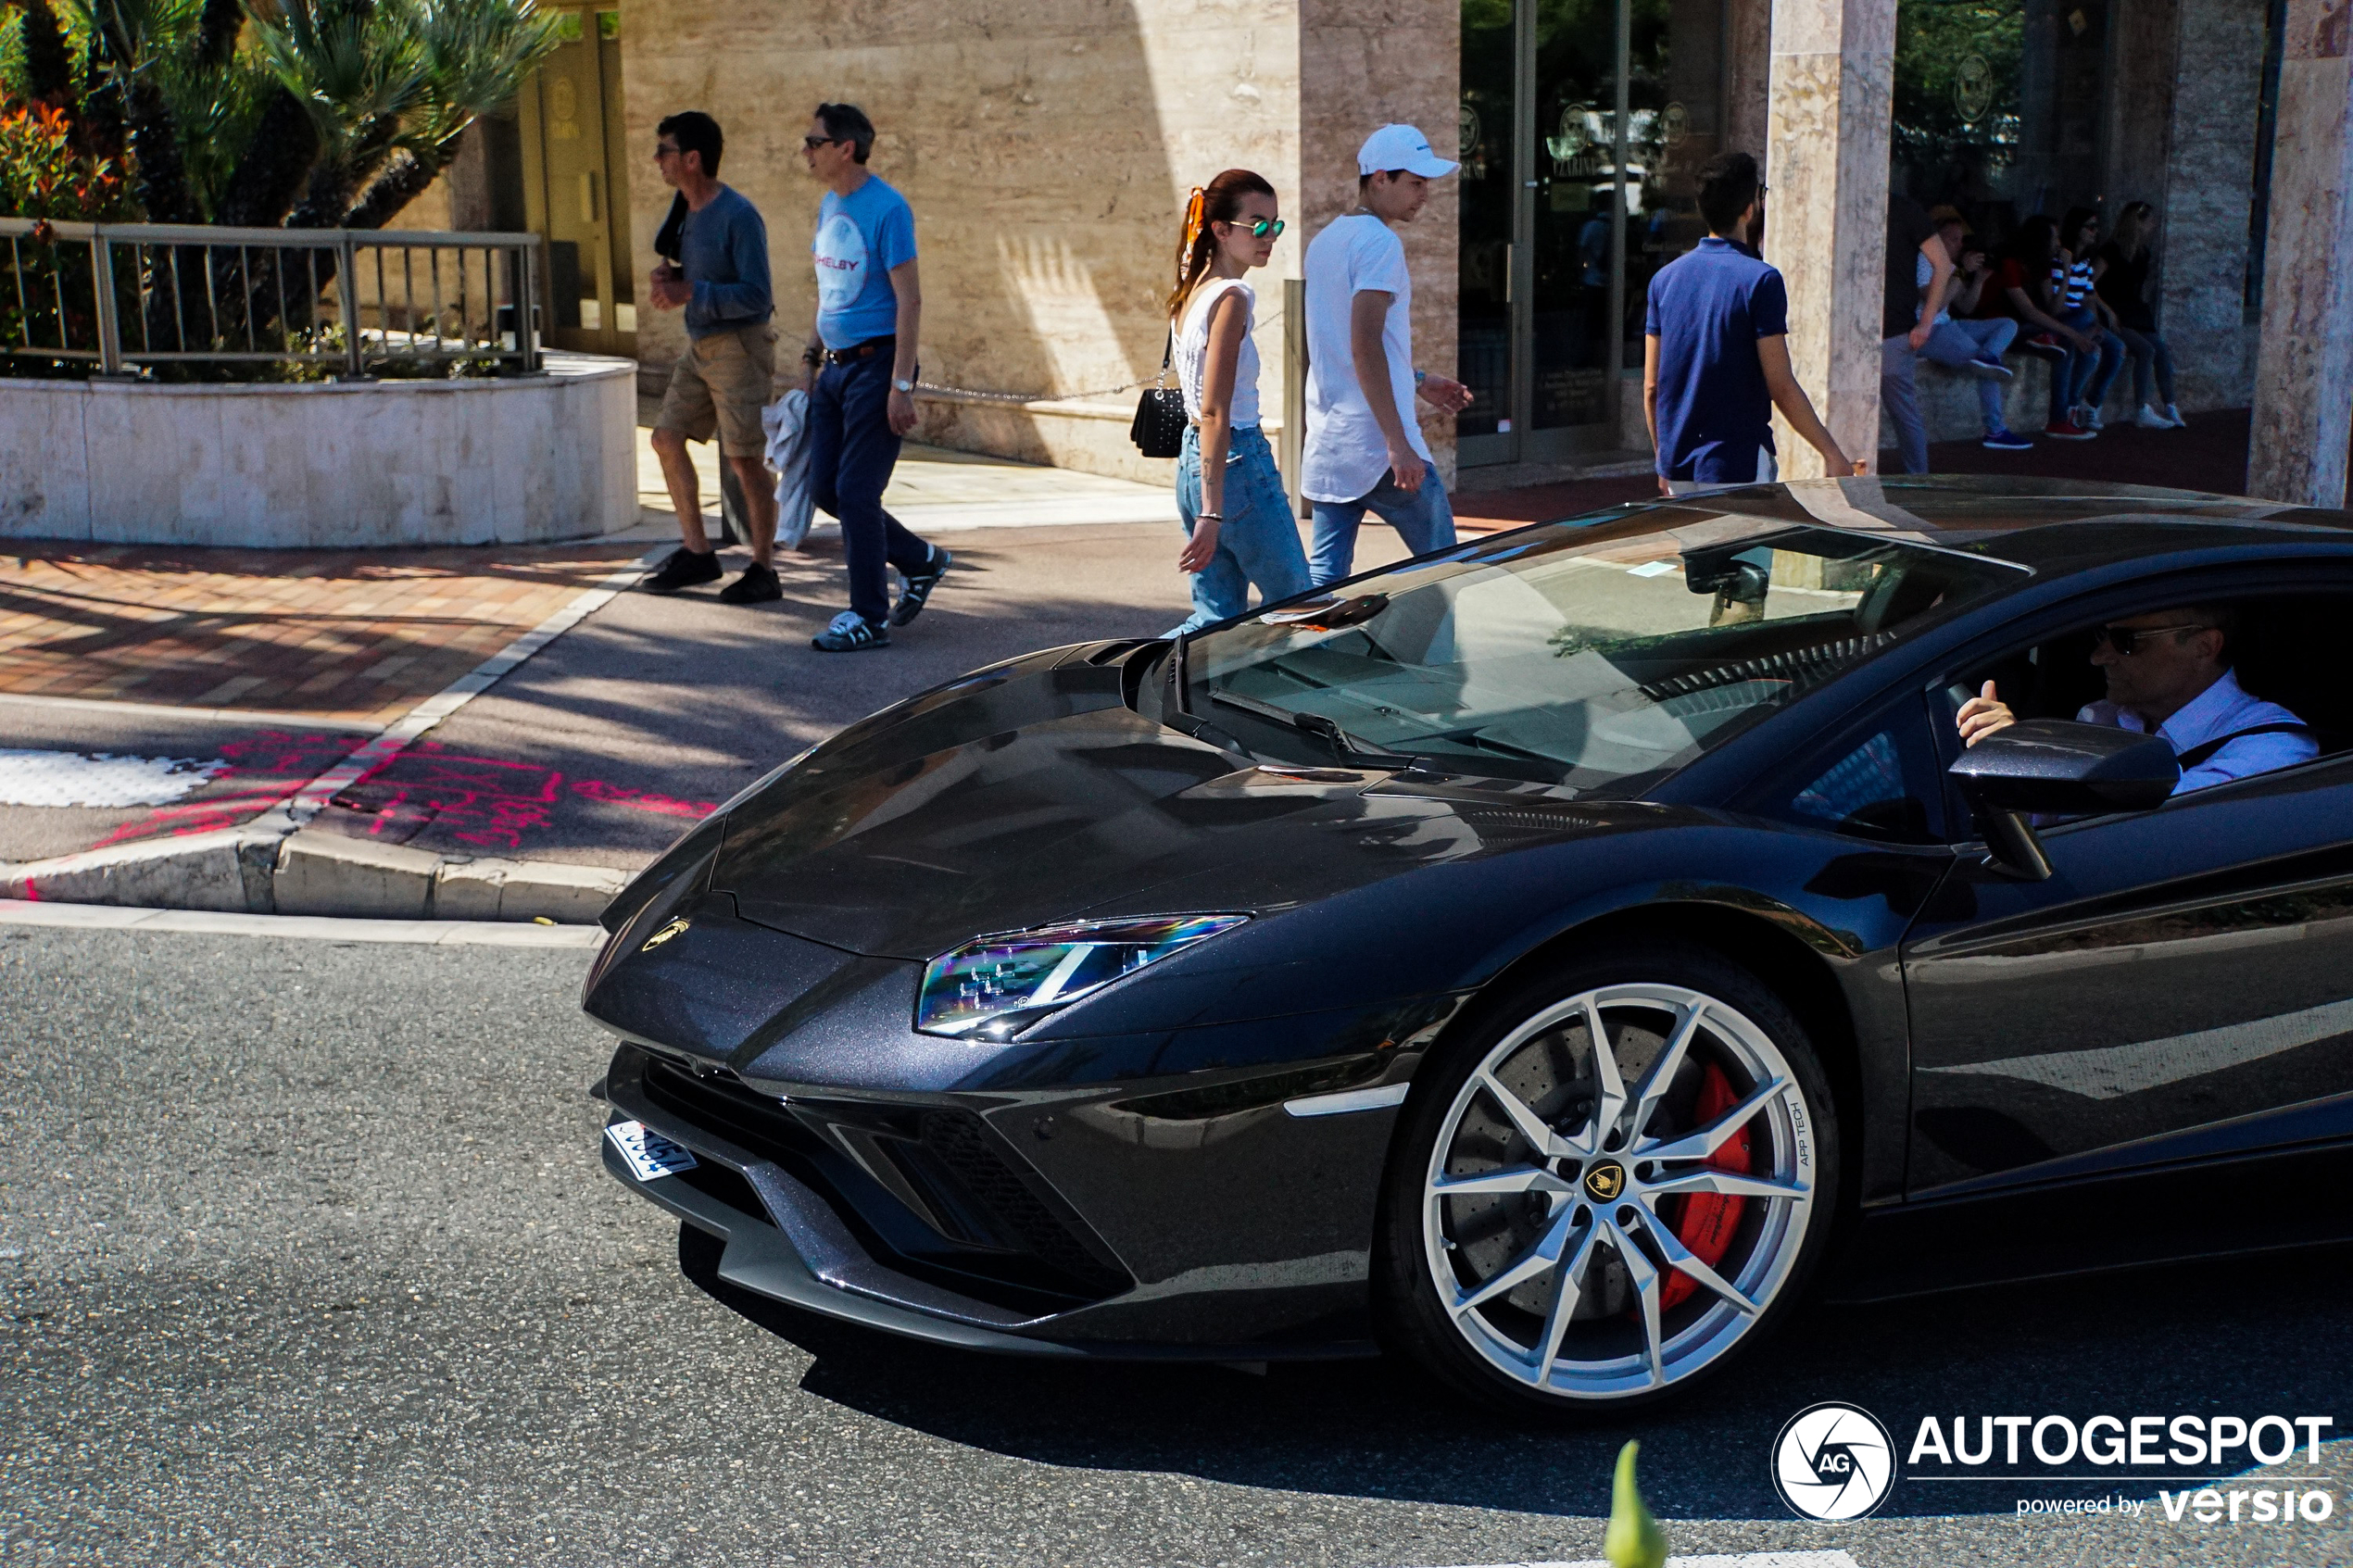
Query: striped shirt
<point>2070,283</point>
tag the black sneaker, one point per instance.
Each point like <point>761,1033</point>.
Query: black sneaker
<point>919,586</point>
<point>850,632</point>
<point>683,568</point>
<point>756,586</point>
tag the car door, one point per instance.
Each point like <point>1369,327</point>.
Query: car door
<point>2180,989</point>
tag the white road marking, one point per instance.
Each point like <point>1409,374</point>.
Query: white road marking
<point>313,928</point>
<point>79,778</point>
<point>1732,1560</point>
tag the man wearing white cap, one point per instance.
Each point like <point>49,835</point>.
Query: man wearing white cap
<point>1363,447</point>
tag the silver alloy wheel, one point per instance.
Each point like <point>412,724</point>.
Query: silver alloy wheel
<point>1540,1204</point>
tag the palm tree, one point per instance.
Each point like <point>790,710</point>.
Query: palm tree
<point>304,114</point>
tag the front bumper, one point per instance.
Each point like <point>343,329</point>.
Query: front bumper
<point>801,1226</point>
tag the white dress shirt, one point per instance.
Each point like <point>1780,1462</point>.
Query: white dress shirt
<point>2222,708</point>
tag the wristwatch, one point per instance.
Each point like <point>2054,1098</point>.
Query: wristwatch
<point>897,385</point>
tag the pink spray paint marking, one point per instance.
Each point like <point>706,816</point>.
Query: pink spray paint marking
<point>485,802</point>
<point>264,769</point>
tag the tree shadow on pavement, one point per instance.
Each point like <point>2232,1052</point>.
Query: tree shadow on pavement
<point>2200,1337</point>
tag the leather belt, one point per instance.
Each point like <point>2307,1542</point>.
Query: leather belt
<point>857,351</point>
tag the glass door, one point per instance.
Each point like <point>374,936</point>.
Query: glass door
<point>1577,223</point>
<point>573,144</point>
<point>1487,431</point>
<point>1584,121</point>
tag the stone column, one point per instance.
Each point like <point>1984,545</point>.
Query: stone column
<point>1832,84</point>
<point>1362,64</point>
<point>2304,369</point>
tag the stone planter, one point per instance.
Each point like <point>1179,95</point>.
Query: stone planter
<point>323,465</point>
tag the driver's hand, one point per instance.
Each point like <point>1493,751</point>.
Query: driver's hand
<point>1984,714</point>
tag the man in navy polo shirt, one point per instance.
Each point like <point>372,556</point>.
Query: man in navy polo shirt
<point>1715,350</point>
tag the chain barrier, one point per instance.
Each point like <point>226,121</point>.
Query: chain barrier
<point>974,395</point>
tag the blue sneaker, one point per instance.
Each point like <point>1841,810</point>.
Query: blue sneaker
<point>2003,439</point>
<point>850,632</point>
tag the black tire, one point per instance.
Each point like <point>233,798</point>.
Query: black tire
<point>1611,1357</point>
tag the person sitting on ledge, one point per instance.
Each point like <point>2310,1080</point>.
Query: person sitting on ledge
<point>2169,672</point>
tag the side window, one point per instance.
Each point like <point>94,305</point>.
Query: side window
<point>2284,653</point>
<point>1866,785</point>
<point>1877,780</point>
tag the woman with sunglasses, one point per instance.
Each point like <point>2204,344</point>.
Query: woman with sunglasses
<point>1236,512</point>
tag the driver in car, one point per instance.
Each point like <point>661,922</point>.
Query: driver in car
<point>2169,671</point>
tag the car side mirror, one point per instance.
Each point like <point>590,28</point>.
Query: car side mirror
<point>2051,767</point>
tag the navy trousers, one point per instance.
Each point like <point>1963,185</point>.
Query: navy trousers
<point>851,452</point>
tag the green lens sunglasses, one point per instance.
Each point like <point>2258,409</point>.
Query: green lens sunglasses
<point>1260,227</point>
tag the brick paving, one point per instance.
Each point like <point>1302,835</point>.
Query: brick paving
<point>353,635</point>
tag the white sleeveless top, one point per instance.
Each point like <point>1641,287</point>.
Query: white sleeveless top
<point>1193,351</point>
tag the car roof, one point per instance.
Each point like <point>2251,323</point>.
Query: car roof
<point>2053,527</point>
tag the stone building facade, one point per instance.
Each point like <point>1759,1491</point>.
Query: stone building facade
<point>1047,147</point>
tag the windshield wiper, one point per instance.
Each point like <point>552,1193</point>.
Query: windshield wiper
<point>1345,746</point>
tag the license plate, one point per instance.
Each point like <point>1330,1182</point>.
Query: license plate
<point>646,1152</point>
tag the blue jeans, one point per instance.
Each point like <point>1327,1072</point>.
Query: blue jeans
<point>1423,519</point>
<point>1257,542</point>
<point>1956,342</point>
<point>2152,370</point>
<point>851,452</point>
<point>2082,371</point>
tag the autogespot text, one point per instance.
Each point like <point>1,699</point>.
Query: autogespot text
<point>2188,1450</point>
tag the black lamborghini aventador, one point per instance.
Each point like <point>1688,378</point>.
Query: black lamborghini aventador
<point>1558,958</point>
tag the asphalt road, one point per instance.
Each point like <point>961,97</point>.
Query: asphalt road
<point>306,1256</point>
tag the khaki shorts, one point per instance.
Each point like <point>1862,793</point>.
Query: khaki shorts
<point>720,383</point>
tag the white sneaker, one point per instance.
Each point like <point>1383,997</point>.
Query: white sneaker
<point>2173,412</point>
<point>2089,416</point>
<point>2149,418</point>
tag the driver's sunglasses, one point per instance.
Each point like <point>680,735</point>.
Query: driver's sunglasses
<point>1259,227</point>
<point>2126,640</point>
<point>813,143</point>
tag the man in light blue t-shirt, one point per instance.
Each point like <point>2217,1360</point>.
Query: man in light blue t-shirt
<point>860,378</point>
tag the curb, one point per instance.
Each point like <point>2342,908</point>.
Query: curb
<point>276,865</point>
<point>315,928</point>
<point>263,869</point>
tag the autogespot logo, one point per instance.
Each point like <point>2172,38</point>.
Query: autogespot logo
<point>1833,1462</point>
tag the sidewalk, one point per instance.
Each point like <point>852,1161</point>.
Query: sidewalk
<point>384,732</point>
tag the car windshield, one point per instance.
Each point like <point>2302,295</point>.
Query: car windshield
<point>1597,659</point>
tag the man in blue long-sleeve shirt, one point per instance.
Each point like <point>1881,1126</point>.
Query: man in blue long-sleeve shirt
<point>722,379</point>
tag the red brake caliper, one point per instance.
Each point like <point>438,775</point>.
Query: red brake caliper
<point>1709,1219</point>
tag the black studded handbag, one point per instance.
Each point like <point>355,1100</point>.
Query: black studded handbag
<point>1159,430</point>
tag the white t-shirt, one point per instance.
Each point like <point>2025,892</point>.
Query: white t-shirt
<point>1344,456</point>
<point>1923,275</point>
<point>1192,350</point>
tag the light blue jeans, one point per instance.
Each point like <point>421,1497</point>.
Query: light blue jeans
<point>2083,370</point>
<point>1257,542</point>
<point>1424,520</point>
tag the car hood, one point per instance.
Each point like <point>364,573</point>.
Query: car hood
<point>1032,793</point>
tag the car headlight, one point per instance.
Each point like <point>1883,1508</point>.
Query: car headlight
<point>994,988</point>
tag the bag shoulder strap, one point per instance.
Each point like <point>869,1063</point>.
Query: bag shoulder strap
<point>2204,752</point>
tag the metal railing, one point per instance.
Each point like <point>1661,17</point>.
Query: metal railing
<point>120,296</point>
